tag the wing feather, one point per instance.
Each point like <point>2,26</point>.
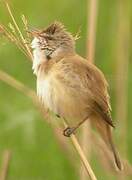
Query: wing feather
<point>88,82</point>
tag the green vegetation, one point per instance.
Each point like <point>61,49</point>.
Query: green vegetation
<point>36,155</point>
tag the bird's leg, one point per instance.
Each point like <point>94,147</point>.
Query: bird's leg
<point>68,131</point>
<point>71,130</point>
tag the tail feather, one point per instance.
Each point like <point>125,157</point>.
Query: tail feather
<point>115,153</point>
<point>105,131</point>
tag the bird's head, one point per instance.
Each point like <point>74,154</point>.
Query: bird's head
<point>54,41</point>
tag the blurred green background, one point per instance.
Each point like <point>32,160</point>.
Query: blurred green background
<point>36,154</point>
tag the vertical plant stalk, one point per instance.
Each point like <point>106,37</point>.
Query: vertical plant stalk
<point>82,155</point>
<point>122,62</point>
<point>91,31</point>
<point>123,36</point>
<point>5,165</point>
<point>90,53</point>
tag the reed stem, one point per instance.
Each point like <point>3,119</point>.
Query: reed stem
<point>5,165</point>
<point>19,31</point>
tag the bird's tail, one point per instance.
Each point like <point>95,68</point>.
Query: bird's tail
<point>105,131</point>
<point>115,153</point>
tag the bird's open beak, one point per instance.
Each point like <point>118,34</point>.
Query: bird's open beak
<point>34,33</point>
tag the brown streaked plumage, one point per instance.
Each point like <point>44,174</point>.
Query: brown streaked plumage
<point>69,85</point>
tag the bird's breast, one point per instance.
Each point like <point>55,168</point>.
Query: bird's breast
<point>59,99</point>
<point>44,91</point>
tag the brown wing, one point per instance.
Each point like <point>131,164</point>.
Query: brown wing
<point>99,93</point>
<point>90,83</point>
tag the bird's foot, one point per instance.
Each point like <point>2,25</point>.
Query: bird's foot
<point>68,131</point>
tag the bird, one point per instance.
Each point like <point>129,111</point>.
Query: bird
<point>69,85</point>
